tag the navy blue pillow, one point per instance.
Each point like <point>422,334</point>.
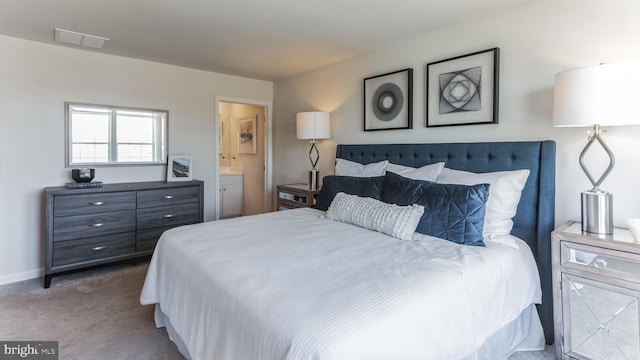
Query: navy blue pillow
<point>361,186</point>
<point>451,212</point>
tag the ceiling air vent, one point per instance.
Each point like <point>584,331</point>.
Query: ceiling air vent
<point>80,39</point>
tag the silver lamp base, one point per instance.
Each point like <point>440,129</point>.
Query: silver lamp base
<point>597,213</point>
<point>314,176</point>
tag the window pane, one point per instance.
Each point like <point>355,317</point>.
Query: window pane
<point>135,153</point>
<point>135,129</point>
<point>90,127</point>
<point>90,153</point>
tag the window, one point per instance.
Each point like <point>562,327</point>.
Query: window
<point>107,135</point>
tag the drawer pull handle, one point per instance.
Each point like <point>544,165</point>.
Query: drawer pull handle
<point>96,224</point>
<point>168,216</point>
<point>168,196</point>
<point>98,248</point>
<point>97,203</point>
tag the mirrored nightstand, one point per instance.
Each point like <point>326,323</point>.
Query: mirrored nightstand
<point>596,292</point>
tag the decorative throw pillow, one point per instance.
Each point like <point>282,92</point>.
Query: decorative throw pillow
<point>361,186</point>
<point>397,221</point>
<point>428,172</point>
<point>452,212</point>
<point>506,188</point>
<point>351,168</point>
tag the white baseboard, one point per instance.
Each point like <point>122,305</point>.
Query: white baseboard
<point>26,275</point>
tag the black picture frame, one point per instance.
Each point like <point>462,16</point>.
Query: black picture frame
<point>388,101</point>
<point>463,90</point>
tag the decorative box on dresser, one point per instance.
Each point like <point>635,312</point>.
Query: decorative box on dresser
<point>596,292</point>
<point>87,227</point>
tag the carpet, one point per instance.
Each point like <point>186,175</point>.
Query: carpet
<point>96,314</point>
<point>93,315</point>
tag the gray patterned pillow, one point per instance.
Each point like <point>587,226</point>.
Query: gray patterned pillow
<point>393,220</point>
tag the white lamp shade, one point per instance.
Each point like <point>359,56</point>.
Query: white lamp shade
<point>313,125</point>
<point>605,94</point>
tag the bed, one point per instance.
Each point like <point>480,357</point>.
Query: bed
<point>296,285</point>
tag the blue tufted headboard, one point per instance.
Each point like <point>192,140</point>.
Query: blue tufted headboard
<point>534,219</point>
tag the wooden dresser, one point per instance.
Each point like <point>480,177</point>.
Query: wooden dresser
<point>87,227</point>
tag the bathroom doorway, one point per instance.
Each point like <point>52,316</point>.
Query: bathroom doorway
<point>243,134</point>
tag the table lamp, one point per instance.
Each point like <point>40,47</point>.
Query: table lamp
<point>313,125</point>
<point>601,95</point>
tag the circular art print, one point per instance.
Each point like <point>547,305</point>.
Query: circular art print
<point>387,102</point>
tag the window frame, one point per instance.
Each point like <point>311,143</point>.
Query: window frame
<point>112,140</point>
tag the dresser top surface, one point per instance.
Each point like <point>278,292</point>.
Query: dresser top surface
<point>621,236</point>
<point>61,190</point>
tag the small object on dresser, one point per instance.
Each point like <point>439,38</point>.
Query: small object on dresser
<point>83,175</point>
<point>84,185</point>
<point>634,228</point>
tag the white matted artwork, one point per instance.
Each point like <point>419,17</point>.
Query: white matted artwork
<point>463,90</point>
<point>388,101</point>
<point>180,168</point>
<point>247,132</point>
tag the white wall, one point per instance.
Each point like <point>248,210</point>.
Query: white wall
<point>537,40</point>
<point>35,81</point>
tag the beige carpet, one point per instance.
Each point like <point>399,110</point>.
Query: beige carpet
<point>96,314</point>
<point>93,315</point>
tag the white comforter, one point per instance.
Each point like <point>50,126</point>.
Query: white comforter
<point>293,285</point>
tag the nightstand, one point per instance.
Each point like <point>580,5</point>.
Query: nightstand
<point>294,196</point>
<point>596,294</point>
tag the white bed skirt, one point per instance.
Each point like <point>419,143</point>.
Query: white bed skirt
<point>522,334</point>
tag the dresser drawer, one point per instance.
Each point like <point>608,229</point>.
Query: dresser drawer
<point>168,196</point>
<point>99,247</point>
<point>168,216</point>
<point>94,203</point>
<point>597,260</point>
<point>82,226</point>
<point>147,239</point>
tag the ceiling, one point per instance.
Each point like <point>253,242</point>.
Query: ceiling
<point>261,39</point>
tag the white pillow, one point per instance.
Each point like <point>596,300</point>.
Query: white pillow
<point>428,172</point>
<point>371,214</point>
<point>351,168</point>
<point>504,195</point>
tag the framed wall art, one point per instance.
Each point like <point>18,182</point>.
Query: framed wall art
<point>180,168</point>
<point>463,90</point>
<point>247,126</point>
<point>388,101</point>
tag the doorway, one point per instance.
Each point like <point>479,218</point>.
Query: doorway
<point>243,159</point>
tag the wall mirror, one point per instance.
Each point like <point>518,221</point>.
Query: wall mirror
<point>114,135</point>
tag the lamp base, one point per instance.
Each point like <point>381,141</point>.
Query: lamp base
<point>597,213</point>
<point>314,175</point>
